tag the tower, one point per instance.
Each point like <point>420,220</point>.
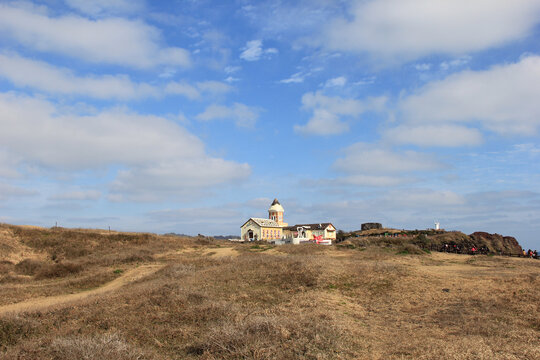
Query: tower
<point>275,212</point>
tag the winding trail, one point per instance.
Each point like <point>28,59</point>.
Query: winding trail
<point>53,301</point>
<point>129,276</point>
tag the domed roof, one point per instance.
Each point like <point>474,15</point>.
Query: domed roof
<point>276,206</point>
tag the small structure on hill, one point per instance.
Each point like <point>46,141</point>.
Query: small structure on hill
<point>275,230</point>
<point>371,226</point>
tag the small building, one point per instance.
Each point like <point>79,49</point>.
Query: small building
<point>371,226</point>
<point>261,229</point>
<point>274,229</point>
<point>310,231</point>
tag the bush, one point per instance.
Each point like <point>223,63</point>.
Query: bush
<point>58,270</point>
<point>422,241</point>
<point>410,249</point>
<point>29,267</point>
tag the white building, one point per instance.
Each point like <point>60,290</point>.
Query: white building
<point>275,229</point>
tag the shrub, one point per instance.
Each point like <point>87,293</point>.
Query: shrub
<point>410,249</point>
<point>58,270</point>
<point>422,241</point>
<point>29,267</point>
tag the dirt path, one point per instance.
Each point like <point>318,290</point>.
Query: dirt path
<point>53,301</point>
<point>221,252</point>
<point>212,252</point>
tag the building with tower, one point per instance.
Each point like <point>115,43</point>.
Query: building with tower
<point>275,229</point>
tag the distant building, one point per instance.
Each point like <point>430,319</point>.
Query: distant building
<point>274,229</point>
<point>371,226</point>
<point>322,231</point>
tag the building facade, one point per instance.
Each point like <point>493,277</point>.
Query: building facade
<point>275,229</point>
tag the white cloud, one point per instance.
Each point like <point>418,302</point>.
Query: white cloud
<point>327,112</point>
<point>106,7</point>
<point>503,99</point>
<point>406,29</point>
<point>182,88</point>
<point>214,87</point>
<point>422,67</point>
<point>194,92</point>
<point>370,159</point>
<point>8,191</point>
<point>253,51</point>
<point>77,195</point>
<point>110,40</point>
<point>446,65</point>
<point>220,215</point>
<point>336,82</point>
<point>424,197</point>
<point>41,76</point>
<point>232,69</point>
<point>8,165</point>
<point>38,75</point>
<point>150,150</point>
<point>366,81</point>
<point>301,75</point>
<point>296,18</point>
<point>322,122</point>
<point>434,135</point>
<point>242,115</point>
<point>184,177</point>
<point>374,180</point>
<point>231,79</point>
<point>295,78</point>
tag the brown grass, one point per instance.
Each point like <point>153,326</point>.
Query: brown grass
<point>290,302</point>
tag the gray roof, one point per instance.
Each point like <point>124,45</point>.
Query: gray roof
<point>320,226</point>
<point>264,222</point>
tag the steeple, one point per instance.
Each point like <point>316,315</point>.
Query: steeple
<point>275,212</point>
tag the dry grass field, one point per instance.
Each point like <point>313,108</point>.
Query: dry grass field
<point>82,294</point>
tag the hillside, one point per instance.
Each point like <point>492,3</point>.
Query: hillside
<point>434,240</point>
<point>91,294</point>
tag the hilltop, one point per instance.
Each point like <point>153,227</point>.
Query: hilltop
<point>94,294</point>
<point>433,240</point>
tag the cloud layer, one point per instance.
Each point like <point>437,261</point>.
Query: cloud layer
<point>328,112</point>
<point>111,40</point>
<point>399,30</point>
<point>503,99</point>
<point>153,153</point>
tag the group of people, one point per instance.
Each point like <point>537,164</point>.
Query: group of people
<point>530,253</point>
<point>474,250</point>
<point>458,249</point>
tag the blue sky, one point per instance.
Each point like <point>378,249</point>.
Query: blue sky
<point>191,116</point>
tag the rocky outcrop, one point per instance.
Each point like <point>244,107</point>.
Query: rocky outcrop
<point>437,240</point>
<point>371,226</point>
<point>496,243</point>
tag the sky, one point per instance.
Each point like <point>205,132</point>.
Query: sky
<point>192,116</point>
